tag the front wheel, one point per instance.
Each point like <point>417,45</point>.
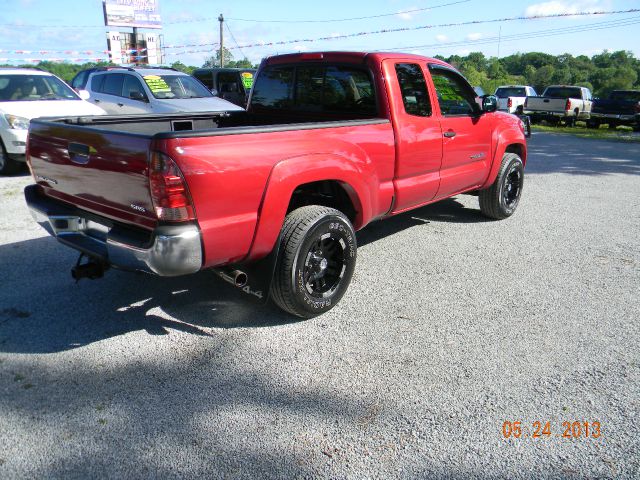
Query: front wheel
<point>501,199</point>
<point>8,166</point>
<point>316,261</point>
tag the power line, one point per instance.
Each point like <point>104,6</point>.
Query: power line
<point>353,18</point>
<point>234,40</point>
<point>423,27</point>
<point>208,19</point>
<point>530,35</point>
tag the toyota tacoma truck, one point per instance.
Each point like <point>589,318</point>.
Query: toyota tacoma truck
<point>271,198</point>
<point>560,103</point>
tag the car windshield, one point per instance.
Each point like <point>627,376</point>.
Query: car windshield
<point>176,87</point>
<point>511,92</point>
<point>27,88</point>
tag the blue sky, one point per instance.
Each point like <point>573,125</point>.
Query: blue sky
<point>78,25</point>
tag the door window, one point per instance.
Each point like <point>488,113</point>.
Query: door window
<point>113,84</point>
<point>131,85</point>
<point>455,95</point>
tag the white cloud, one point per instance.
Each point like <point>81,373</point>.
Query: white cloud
<point>406,14</point>
<point>560,7</point>
<point>442,38</point>
<point>474,36</point>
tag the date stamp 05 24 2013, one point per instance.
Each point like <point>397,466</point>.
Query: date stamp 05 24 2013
<point>538,429</point>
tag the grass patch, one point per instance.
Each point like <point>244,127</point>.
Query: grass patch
<point>620,134</point>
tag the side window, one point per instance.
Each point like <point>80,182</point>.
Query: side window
<point>414,89</point>
<point>455,96</point>
<point>79,81</point>
<point>228,82</point>
<point>131,84</point>
<point>205,77</point>
<point>273,88</point>
<point>97,82</point>
<point>113,84</point>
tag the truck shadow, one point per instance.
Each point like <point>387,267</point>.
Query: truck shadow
<point>449,211</point>
<point>42,310</point>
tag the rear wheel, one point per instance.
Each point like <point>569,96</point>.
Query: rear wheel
<point>593,124</point>
<point>8,165</point>
<point>501,199</point>
<point>316,261</point>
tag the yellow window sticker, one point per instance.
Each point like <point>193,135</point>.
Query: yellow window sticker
<point>157,84</point>
<point>247,80</point>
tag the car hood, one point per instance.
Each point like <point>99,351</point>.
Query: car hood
<point>208,104</point>
<point>50,108</point>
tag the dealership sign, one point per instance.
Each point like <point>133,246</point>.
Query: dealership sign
<point>132,13</point>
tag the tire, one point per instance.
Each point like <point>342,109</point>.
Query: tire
<point>613,126</point>
<point>519,110</point>
<point>316,261</point>
<point>501,199</point>
<point>593,124</point>
<point>8,166</point>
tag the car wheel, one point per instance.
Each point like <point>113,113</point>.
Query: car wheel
<point>613,126</point>
<point>519,110</point>
<point>316,261</point>
<point>593,124</point>
<point>8,166</point>
<point>501,199</point>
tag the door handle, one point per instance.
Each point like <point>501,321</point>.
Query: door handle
<point>450,134</point>
<point>121,104</point>
<point>97,101</point>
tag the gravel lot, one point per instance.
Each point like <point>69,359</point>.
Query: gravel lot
<point>453,324</point>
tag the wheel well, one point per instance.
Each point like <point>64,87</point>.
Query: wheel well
<point>517,149</point>
<point>328,193</point>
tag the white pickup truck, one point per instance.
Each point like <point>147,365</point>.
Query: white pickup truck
<point>511,98</point>
<point>560,102</point>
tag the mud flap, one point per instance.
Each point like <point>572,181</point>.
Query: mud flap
<point>259,276</point>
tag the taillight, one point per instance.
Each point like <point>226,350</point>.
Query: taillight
<point>567,105</point>
<point>509,102</point>
<point>169,192</point>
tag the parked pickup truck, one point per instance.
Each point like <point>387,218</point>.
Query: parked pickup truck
<point>560,102</point>
<point>622,107</point>
<point>511,98</point>
<point>271,198</point>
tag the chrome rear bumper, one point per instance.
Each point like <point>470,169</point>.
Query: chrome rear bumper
<point>167,251</point>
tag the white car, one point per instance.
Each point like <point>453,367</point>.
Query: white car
<point>511,98</point>
<point>127,90</point>
<point>27,93</point>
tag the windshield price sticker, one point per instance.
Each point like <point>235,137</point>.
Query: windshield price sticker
<point>157,84</point>
<point>247,80</point>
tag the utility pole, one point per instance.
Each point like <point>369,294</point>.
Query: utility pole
<point>499,40</point>
<point>221,20</point>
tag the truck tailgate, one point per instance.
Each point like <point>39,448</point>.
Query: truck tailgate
<point>99,171</point>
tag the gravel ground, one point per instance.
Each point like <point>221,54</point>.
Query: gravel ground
<point>452,325</point>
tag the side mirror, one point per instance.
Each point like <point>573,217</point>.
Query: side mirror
<point>84,95</point>
<point>138,96</point>
<point>489,103</point>
<point>214,92</point>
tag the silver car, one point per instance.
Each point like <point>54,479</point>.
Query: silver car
<point>124,91</point>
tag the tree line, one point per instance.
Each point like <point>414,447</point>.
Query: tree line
<point>601,73</point>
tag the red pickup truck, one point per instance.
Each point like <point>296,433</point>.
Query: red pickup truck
<point>271,198</point>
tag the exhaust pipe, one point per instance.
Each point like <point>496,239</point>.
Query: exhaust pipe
<point>236,278</point>
<point>91,270</point>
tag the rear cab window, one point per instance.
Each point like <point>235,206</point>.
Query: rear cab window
<point>413,89</point>
<point>345,91</point>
